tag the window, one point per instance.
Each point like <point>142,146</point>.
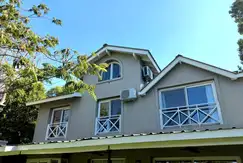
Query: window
<point>109,116</point>
<point>113,72</point>
<point>189,105</point>
<point>60,116</point>
<point>58,124</point>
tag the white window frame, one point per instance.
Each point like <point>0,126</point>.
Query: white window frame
<point>56,109</point>
<point>111,72</point>
<point>192,159</point>
<point>98,114</point>
<point>108,100</point>
<point>51,121</point>
<point>112,159</point>
<point>185,91</point>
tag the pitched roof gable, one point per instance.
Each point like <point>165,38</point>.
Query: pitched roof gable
<point>133,51</point>
<point>195,63</point>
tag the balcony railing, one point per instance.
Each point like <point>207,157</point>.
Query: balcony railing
<point>190,115</point>
<point>108,124</point>
<point>56,130</point>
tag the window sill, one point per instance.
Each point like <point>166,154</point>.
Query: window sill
<point>109,81</point>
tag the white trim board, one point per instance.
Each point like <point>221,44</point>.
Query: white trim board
<point>180,59</point>
<point>177,139</point>
<point>54,99</point>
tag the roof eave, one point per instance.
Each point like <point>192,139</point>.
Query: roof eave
<point>74,95</point>
<point>126,50</point>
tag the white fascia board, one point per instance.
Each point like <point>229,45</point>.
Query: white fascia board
<point>118,49</point>
<point>200,65</point>
<point>179,139</point>
<point>54,99</point>
<point>213,69</point>
<point>126,50</point>
<point>240,75</point>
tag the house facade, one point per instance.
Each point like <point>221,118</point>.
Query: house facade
<point>187,112</point>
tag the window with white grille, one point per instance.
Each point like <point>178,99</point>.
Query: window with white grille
<point>113,71</point>
<point>57,128</point>
<point>189,105</point>
<point>109,116</point>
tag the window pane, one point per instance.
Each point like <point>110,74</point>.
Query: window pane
<point>57,116</point>
<point>104,109</point>
<point>200,95</point>
<point>116,107</point>
<point>116,71</point>
<point>106,75</point>
<point>173,98</point>
<point>65,115</point>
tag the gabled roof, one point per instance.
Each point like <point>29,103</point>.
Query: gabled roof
<point>52,99</point>
<point>198,64</point>
<point>133,51</point>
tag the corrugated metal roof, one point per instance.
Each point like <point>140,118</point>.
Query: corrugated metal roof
<point>210,128</point>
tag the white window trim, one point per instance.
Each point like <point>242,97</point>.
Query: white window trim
<point>191,86</point>
<point>60,108</point>
<point>98,114</point>
<point>111,72</point>
<point>51,121</point>
<point>108,100</point>
<point>218,158</point>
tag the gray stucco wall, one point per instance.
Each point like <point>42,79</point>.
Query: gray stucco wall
<point>142,115</point>
<point>84,110</point>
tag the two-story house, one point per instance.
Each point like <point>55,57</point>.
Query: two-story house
<point>187,112</point>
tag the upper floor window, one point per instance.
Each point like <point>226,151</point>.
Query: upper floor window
<point>57,128</point>
<point>192,105</point>
<point>113,71</point>
<point>109,116</point>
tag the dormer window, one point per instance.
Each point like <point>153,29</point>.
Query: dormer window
<point>113,71</point>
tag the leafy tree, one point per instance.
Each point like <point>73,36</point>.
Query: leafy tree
<point>21,51</point>
<point>236,12</point>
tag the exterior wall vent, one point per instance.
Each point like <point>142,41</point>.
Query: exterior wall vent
<point>128,94</point>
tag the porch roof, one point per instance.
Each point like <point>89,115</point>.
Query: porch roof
<point>74,95</point>
<point>184,138</point>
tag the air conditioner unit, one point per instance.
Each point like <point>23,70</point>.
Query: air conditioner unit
<point>147,73</point>
<point>128,94</point>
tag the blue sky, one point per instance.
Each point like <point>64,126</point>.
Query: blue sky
<point>199,29</point>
